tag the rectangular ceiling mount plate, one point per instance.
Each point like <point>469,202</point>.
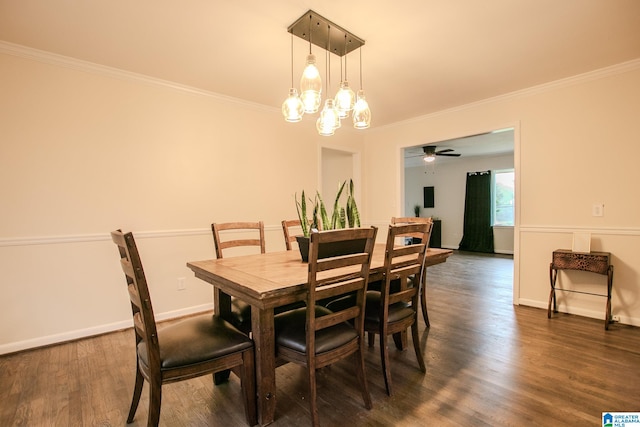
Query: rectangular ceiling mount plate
<point>320,28</point>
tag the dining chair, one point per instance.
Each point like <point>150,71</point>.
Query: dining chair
<point>391,312</point>
<point>289,237</point>
<point>226,237</point>
<point>314,336</point>
<point>200,345</point>
<point>423,284</point>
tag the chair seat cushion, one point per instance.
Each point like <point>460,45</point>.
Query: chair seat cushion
<point>397,311</point>
<point>196,340</point>
<point>290,330</point>
<point>241,313</point>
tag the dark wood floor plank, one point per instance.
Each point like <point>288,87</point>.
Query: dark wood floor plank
<point>488,363</point>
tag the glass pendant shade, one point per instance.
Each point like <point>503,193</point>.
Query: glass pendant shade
<point>292,107</point>
<point>311,86</point>
<point>361,112</point>
<point>329,120</point>
<point>345,100</point>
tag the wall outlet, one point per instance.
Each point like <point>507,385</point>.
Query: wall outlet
<point>615,318</point>
<point>181,284</point>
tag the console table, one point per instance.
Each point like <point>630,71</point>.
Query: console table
<point>595,262</point>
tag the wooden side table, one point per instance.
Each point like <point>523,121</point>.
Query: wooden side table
<point>595,262</point>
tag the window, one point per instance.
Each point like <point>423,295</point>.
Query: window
<point>502,198</point>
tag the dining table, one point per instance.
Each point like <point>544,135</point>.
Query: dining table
<point>267,281</point>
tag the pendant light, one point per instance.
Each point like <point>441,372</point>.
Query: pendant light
<point>310,82</point>
<point>329,119</point>
<point>340,104</point>
<point>361,111</point>
<point>292,107</point>
<point>345,98</point>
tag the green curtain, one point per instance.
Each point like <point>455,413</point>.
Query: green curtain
<point>477,232</point>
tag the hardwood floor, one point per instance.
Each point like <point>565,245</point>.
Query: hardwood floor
<point>489,363</point>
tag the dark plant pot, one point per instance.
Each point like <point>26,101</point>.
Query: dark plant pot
<point>330,249</point>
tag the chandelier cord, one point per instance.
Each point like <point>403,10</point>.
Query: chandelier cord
<point>329,59</point>
<point>292,59</point>
<point>345,60</point>
<point>360,67</point>
<point>310,17</point>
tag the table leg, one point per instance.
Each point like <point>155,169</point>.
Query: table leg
<point>222,308</point>
<point>264,341</point>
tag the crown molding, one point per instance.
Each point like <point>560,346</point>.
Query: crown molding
<point>103,70</point>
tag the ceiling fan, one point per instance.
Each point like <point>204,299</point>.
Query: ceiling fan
<point>430,153</point>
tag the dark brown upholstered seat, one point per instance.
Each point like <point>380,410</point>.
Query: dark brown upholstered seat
<point>200,345</point>
<point>314,336</point>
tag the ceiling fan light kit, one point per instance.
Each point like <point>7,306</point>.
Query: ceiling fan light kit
<point>430,153</point>
<point>334,39</point>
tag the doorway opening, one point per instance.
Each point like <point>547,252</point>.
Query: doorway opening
<point>445,177</point>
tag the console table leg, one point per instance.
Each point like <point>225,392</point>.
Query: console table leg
<point>552,294</point>
<point>607,316</point>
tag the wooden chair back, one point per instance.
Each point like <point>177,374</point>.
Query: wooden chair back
<point>289,236</point>
<point>144,323</point>
<point>423,282</point>
<point>332,277</point>
<point>412,220</point>
<point>404,261</point>
<point>223,235</point>
<point>314,336</point>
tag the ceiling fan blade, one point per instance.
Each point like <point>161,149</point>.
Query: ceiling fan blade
<point>446,150</point>
<point>448,154</point>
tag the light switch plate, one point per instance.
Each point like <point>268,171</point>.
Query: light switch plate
<point>598,209</point>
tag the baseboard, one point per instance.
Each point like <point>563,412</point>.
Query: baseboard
<point>499,251</point>
<point>95,330</point>
<point>503,252</point>
<point>624,320</point>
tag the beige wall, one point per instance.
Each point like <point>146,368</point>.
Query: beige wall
<point>85,151</point>
<point>576,144</point>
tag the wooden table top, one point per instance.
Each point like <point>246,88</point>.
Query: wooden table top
<point>277,278</point>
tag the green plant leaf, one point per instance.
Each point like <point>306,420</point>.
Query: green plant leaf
<point>336,221</point>
<point>323,212</point>
<point>353,215</point>
<point>340,216</point>
<point>301,207</point>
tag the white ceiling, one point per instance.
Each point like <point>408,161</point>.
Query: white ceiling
<point>421,56</point>
<point>487,144</point>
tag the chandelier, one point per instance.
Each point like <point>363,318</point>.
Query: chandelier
<point>321,32</point>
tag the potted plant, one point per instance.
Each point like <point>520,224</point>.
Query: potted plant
<point>341,216</point>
